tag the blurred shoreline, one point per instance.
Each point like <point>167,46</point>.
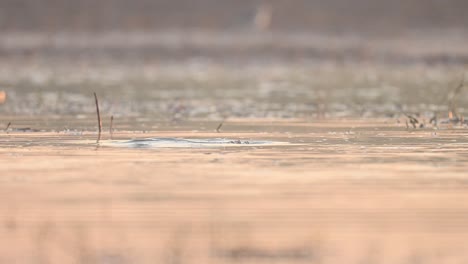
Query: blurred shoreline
<point>416,47</point>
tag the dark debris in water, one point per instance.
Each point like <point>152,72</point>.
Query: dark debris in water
<point>25,129</point>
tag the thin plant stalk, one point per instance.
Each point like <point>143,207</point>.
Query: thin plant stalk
<point>98,118</point>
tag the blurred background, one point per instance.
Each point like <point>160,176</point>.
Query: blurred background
<point>311,16</point>
<point>275,58</point>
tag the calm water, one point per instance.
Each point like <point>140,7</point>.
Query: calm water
<point>333,172</point>
<point>336,190</point>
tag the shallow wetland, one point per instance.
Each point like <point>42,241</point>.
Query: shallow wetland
<point>232,160</point>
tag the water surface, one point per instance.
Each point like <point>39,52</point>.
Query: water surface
<point>339,191</point>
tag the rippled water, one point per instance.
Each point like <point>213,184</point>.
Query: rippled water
<point>334,190</point>
<point>223,161</point>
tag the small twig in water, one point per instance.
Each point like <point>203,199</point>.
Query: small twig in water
<point>98,117</point>
<point>7,127</point>
<point>219,126</point>
<point>111,130</point>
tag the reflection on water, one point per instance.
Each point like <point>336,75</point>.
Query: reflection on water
<point>340,191</point>
<point>320,180</point>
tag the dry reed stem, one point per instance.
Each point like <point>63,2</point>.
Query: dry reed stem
<point>452,103</point>
<point>98,118</point>
<point>7,127</point>
<point>219,126</point>
<point>111,130</point>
